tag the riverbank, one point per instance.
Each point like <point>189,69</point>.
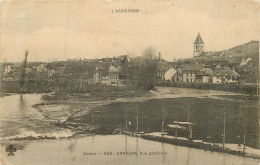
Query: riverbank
<point>200,145</point>
<point>89,114</point>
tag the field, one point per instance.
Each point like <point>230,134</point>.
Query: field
<point>241,116</point>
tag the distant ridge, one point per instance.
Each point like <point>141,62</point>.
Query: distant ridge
<point>250,49</point>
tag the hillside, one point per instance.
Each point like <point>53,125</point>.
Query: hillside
<point>250,49</point>
<point>248,73</point>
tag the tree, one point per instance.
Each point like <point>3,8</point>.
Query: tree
<point>142,71</point>
<point>148,69</point>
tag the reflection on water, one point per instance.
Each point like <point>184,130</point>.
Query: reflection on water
<point>188,159</point>
<point>125,143</point>
<point>163,154</point>
<point>87,150</point>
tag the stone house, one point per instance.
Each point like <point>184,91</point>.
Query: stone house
<point>189,72</point>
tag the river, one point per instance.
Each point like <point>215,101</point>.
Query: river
<point>19,121</point>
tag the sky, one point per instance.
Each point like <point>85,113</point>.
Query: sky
<point>58,30</point>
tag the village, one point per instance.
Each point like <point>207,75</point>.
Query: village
<point>221,67</point>
<point>129,82</point>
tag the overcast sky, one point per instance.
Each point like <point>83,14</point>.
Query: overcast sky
<point>87,29</point>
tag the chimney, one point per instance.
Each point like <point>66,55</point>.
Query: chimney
<point>159,56</point>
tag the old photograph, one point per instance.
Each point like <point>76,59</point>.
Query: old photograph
<point>129,82</point>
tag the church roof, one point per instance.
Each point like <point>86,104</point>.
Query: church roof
<point>198,40</point>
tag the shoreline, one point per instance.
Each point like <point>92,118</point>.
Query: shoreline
<point>192,144</point>
<point>200,145</point>
<point>180,141</point>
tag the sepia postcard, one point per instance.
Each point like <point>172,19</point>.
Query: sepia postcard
<point>129,82</point>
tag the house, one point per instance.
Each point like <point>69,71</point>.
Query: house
<point>101,75</point>
<point>170,73</point>
<point>114,76</point>
<point>248,60</point>
<point>193,73</point>
<point>204,75</point>
<point>218,62</point>
<point>178,76</point>
<point>243,62</point>
<point>189,72</point>
<point>225,75</point>
<point>8,69</point>
<point>41,68</point>
<point>235,61</point>
<point>163,67</point>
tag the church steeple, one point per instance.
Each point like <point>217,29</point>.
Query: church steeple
<point>198,46</point>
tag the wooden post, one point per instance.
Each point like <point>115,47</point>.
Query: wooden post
<point>176,132</point>
<point>257,86</point>
<point>189,126</point>
<point>244,142</point>
<point>163,116</point>
<point>149,127</point>
<point>224,131</point>
<point>162,126</point>
<point>92,117</point>
<point>191,132</point>
<point>137,119</point>
<point>126,126</point>
<point>189,120</point>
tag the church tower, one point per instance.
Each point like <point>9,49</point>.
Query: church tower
<point>198,46</point>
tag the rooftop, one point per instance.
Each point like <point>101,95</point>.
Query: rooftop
<point>192,67</point>
<point>198,40</point>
